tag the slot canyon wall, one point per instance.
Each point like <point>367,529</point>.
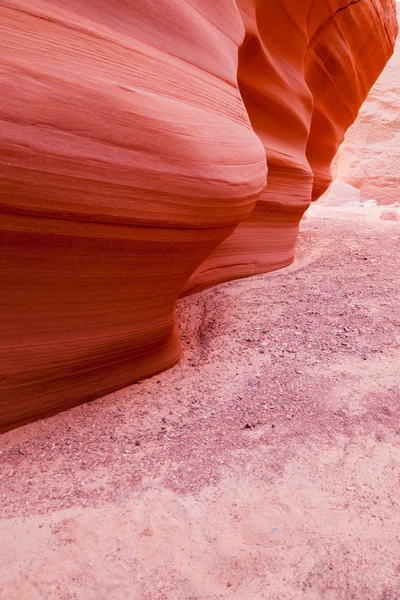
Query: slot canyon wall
<point>149,150</point>
<point>369,158</point>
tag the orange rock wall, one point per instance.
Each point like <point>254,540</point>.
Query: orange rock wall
<point>369,158</point>
<point>134,142</point>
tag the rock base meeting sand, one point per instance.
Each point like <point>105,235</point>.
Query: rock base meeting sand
<point>265,465</point>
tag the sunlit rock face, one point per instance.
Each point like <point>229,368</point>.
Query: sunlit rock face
<point>135,143</point>
<point>340,194</point>
<point>369,158</point>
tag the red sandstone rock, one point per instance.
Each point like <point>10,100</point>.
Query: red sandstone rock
<point>301,97</point>
<point>133,140</point>
<point>369,158</point>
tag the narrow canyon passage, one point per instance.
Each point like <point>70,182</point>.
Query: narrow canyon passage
<point>264,465</point>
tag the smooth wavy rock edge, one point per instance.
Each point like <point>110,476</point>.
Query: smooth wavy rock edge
<point>369,158</point>
<point>134,143</point>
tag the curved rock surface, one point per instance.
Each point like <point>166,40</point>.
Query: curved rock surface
<point>369,158</point>
<point>134,138</point>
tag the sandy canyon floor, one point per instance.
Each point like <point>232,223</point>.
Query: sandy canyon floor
<point>265,465</point>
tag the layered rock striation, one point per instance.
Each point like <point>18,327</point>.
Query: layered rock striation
<point>135,140</point>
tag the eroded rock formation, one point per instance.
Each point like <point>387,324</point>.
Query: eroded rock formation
<point>134,145</point>
<point>369,158</point>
